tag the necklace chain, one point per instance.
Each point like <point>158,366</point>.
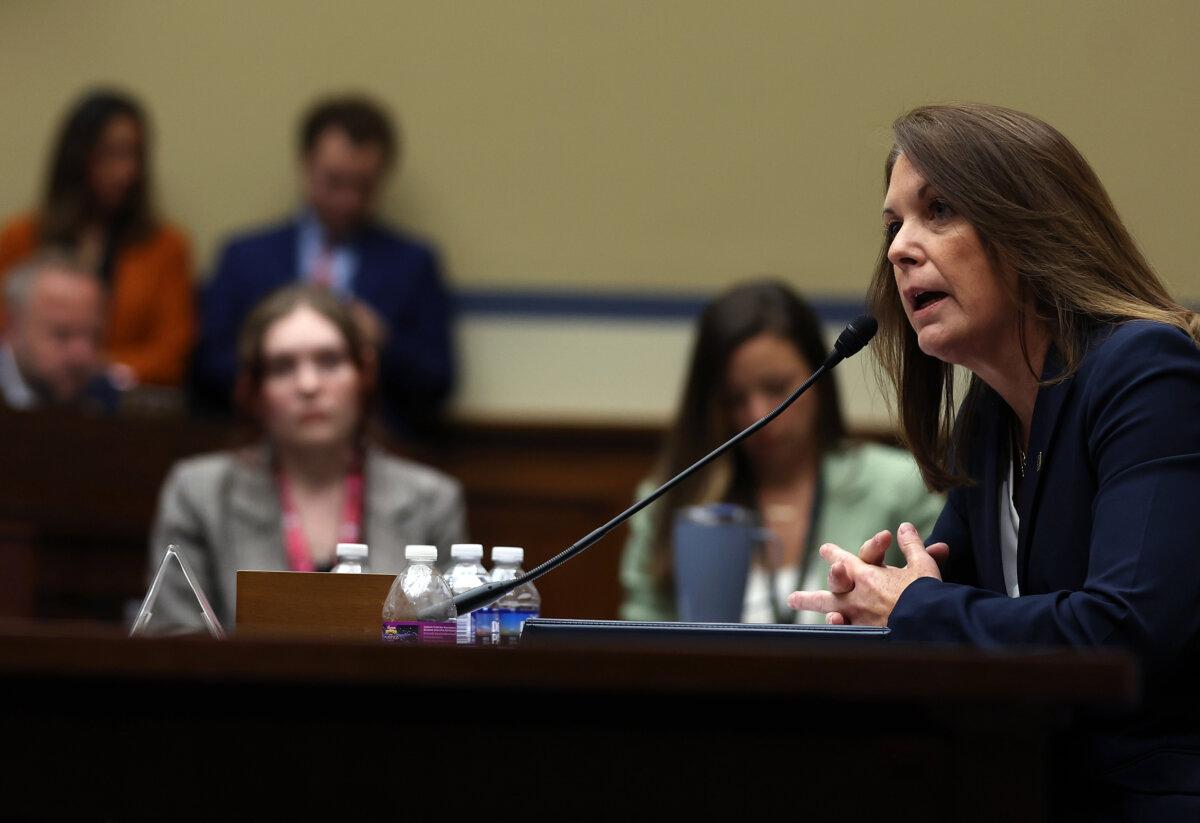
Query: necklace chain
<point>1021,456</point>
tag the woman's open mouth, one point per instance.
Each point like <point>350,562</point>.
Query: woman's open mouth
<point>925,299</point>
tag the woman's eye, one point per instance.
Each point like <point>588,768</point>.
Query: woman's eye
<point>735,402</point>
<point>940,210</point>
<point>890,230</point>
<point>330,360</point>
<point>279,366</point>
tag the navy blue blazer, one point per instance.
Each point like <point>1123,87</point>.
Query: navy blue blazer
<point>397,277</point>
<point>1108,540</point>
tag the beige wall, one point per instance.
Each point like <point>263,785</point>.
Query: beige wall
<point>610,371</point>
<point>666,145</point>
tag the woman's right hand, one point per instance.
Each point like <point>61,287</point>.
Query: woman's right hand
<point>872,553</point>
<point>872,603</point>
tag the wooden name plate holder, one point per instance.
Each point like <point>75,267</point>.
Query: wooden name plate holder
<point>335,606</point>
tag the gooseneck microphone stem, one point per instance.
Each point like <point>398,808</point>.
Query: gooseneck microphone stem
<point>490,592</point>
<point>855,336</point>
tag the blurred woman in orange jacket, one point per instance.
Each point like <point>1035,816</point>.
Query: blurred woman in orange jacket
<point>97,207</point>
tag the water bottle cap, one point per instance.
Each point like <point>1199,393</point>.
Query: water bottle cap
<point>352,550</point>
<point>507,554</point>
<point>420,554</point>
<point>467,551</point>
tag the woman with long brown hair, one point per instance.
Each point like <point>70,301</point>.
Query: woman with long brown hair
<point>801,475</point>
<point>307,376</point>
<point>97,207</point>
<point>1073,463</point>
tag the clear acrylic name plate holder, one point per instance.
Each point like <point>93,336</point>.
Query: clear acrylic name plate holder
<point>147,610</point>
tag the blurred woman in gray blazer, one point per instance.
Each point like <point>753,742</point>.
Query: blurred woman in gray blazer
<point>307,374</point>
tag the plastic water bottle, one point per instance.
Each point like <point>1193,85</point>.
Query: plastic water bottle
<point>351,558</point>
<point>467,573</point>
<point>522,603</point>
<point>418,607</point>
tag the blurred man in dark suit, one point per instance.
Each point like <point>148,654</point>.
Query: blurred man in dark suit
<point>391,281</point>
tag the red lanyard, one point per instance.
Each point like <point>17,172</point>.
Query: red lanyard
<point>349,527</point>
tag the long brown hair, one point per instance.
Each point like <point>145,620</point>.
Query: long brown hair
<point>702,422</point>
<point>67,203</point>
<point>1042,213</point>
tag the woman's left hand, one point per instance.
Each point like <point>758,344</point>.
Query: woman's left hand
<point>866,592</point>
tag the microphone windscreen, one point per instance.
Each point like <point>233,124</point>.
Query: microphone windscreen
<point>858,333</point>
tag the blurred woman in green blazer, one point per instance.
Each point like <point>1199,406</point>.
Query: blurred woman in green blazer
<point>808,482</point>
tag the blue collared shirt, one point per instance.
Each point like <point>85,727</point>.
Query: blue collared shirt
<point>310,239</point>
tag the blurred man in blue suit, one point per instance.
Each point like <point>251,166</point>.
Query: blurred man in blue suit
<point>392,281</point>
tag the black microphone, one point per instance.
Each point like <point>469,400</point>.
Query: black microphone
<point>856,335</point>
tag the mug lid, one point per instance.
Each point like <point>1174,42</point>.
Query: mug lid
<point>716,514</point>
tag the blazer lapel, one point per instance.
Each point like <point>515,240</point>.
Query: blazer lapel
<point>256,520</point>
<point>1046,410</point>
<point>993,462</point>
<point>291,254</point>
<point>389,522</point>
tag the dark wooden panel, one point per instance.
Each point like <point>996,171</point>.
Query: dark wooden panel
<point>83,491</point>
<point>75,476</point>
<point>78,496</point>
<point>330,606</point>
<point>585,587</point>
<point>18,569</point>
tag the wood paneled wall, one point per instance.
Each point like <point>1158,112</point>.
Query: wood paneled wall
<point>77,497</point>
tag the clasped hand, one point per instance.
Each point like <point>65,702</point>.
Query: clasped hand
<point>863,591</point>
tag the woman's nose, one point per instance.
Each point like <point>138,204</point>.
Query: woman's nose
<point>905,248</point>
<point>760,406</point>
<point>307,379</point>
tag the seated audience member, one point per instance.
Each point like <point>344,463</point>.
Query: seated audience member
<point>808,482</point>
<point>50,352</point>
<point>390,281</point>
<point>307,374</point>
<point>97,206</point>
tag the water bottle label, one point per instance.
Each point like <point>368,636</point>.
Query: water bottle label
<point>442,631</point>
<point>512,623</point>
<point>399,632</point>
<point>487,626</point>
<point>466,629</point>
<point>424,631</point>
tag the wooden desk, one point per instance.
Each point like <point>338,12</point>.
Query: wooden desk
<point>97,727</point>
